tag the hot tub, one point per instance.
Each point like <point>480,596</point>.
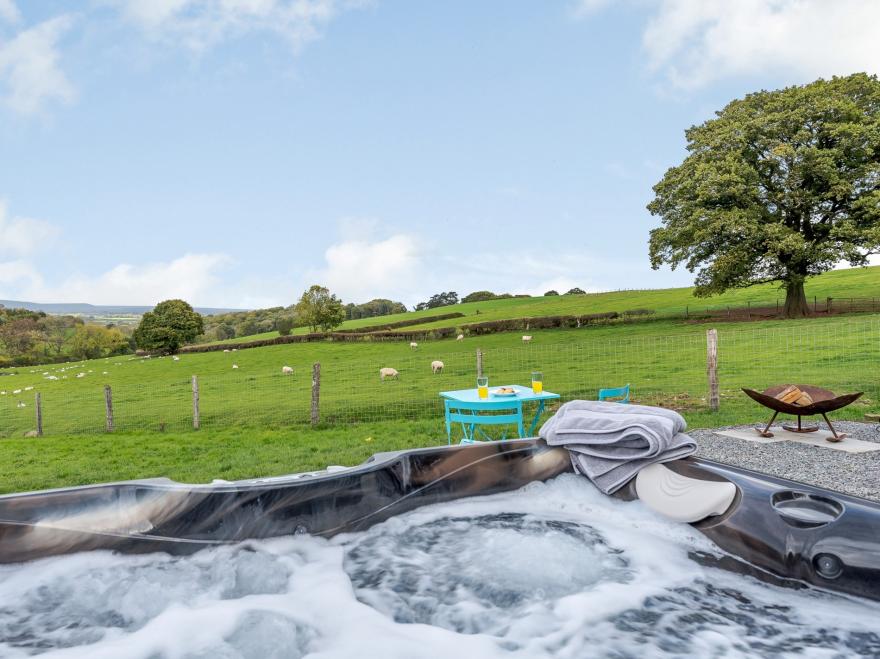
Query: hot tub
<point>486,550</point>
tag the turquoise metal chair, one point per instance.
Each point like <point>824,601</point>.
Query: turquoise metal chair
<point>465,413</point>
<point>616,395</point>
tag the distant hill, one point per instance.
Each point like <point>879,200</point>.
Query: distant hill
<point>81,308</point>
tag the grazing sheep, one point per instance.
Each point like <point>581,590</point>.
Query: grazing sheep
<point>28,388</point>
<point>436,366</point>
<point>526,338</point>
<point>235,366</point>
<point>175,358</point>
<point>235,350</point>
<point>20,405</point>
<point>460,337</point>
<point>226,350</point>
<point>287,370</point>
<point>80,375</point>
<point>17,391</point>
<point>413,345</point>
<point>388,373</point>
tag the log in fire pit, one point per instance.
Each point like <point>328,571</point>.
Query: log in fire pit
<point>801,400</point>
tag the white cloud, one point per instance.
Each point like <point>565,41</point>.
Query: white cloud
<point>582,8</point>
<point>22,236</point>
<point>9,12</point>
<point>403,267</point>
<point>200,24</point>
<point>359,269</point>
<point>694,42</point>
<point>192,277</point>
<point>30,76</point>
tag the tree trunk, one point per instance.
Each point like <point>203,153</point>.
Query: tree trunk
<point>795,300</point>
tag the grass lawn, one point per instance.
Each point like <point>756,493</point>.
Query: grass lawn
<point>664,361</point>
<point>849,283</point>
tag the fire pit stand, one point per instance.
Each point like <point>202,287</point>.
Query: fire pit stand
<point>824,401</point>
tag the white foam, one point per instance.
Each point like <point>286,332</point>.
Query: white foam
<point>553,570</point>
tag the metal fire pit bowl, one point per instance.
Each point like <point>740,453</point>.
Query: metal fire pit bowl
<point>824,401</point>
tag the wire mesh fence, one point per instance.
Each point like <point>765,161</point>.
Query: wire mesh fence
<point>667,370</point>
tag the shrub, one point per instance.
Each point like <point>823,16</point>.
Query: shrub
<point>284,326</point>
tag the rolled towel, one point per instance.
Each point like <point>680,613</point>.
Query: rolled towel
<point>610,442</point>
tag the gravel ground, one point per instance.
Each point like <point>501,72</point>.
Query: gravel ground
<point>857,474</point>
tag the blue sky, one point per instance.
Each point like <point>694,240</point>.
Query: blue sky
<point>232,152</point>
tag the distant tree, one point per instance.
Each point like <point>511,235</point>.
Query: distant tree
<point>551,292</point>
<point>170,325</point>
<point>57,330</point>
<point>320,309</point>
<point>224,331</point>
<point>248,328</point>
<point>284,326</point>
<point>438,300</point>
<point>19,336</point>
<point>94,341</point>
<point>779,186</point>
<point>575,291</point>
<point>479,296</point>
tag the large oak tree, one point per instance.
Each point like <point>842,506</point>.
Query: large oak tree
<point>779,186</point>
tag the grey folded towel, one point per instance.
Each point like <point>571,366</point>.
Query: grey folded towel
<point>610,442</point>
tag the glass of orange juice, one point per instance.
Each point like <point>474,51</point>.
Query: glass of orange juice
<point>483,387</point>
<point>537,382</point>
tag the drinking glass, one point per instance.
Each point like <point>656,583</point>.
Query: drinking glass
<point>537,382</point>
<point>483,387</point>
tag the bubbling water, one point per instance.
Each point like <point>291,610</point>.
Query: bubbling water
<point>552,570</point>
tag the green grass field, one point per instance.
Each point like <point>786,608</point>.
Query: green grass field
<point>255,419</point>
<point>840,284</point>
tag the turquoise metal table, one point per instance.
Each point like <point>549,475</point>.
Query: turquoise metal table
<point>472,412</point>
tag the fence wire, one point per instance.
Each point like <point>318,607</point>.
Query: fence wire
<point>667,370</point>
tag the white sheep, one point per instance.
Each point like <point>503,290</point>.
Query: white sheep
<point>226,350</point>
<point>175,358</point>
<point>28,388</point>
<point>436,366</point>
<point>526,338</point>
<point>17,391</point>
<point>413,345</point>
<point>80,375</point>
<point>287,370</point>
<point>388,373</point>
<point>460,337</point>
<point>235,350</point>
<point>235,366</point>
<point>21,404</point>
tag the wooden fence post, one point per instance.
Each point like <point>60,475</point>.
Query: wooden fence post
<point>712,367</point>
<point>108,406</point>
<point>316,393</point>
<point>38,404</point>
<point>197,422</point>
<point>479,363</point>
<point>828,305</point>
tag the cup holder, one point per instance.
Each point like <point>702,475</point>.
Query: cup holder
<point>805,510</point>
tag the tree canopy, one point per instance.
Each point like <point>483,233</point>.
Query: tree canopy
<point>320,309</point>
<point>438,300</point>
<point>168,326</point>
<point>779,186</point>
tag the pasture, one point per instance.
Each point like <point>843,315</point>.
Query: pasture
<point>839,284</point>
